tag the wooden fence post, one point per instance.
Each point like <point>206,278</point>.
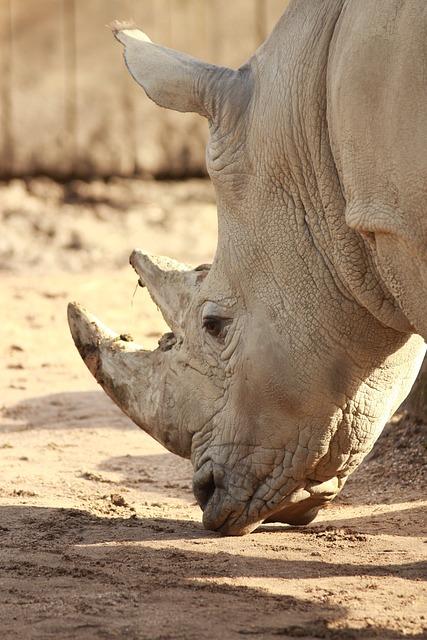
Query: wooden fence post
<point>68,106</point>
<point>37,93</point>
<point>6,70</point>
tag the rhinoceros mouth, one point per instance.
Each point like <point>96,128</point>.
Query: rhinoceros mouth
<point>232,517</point>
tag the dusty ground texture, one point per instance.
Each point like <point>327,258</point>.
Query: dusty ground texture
<point>100,536</point>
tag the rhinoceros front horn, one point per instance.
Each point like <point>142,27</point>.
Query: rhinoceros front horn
<point>130,375</point>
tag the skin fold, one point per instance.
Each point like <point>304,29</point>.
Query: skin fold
<point>290,352</point>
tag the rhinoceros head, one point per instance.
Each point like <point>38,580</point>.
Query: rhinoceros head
<point>275,380</point>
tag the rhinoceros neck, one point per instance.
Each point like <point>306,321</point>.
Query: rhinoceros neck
<point>298,173</point>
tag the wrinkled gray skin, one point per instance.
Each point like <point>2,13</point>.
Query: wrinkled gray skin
<point>288,355</point>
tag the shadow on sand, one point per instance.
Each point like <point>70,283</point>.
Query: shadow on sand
<point>71,410</point>
<point>82,576</point>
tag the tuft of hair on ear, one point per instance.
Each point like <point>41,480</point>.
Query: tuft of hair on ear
<point>121,25</point>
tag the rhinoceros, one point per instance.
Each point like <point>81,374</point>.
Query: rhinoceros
<point>289,353</point>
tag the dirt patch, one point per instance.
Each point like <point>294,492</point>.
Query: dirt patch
<point>85,225</point>
<point>396,468</point>
<point>100,536</point>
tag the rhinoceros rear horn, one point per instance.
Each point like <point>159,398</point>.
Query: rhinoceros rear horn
<point>172,79</point>
<point>170,284</point>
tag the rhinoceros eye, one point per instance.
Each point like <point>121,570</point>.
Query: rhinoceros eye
<point>215,326</point>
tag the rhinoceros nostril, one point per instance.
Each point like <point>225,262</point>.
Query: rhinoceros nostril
<point>204,490</point>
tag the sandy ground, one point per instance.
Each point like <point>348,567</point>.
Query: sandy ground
<point>100,536</point>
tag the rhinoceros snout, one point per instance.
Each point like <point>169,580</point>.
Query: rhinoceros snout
<point>234,515</point>
<point>210,492</point>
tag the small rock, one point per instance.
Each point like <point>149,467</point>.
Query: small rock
<point>23,493</point>
<point>16,347</point>
<point>52,295</point>
<point>118,500</point>
<point>95,477</point>
<point>75,242</point>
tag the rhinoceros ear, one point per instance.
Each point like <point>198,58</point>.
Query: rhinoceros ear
<point>172,79</point>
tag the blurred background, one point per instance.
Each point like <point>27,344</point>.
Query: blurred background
<point>84,154</point>
<point>67,106</point>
